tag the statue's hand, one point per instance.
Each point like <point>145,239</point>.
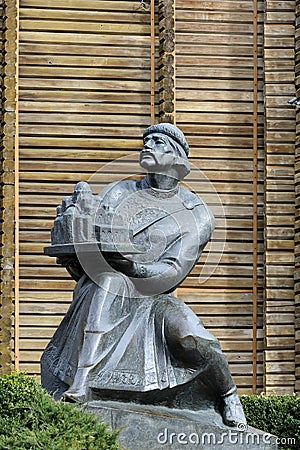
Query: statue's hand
<point>122,264</point>
<point>72,265</point>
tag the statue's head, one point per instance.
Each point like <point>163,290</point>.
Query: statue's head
<point>165,151</point>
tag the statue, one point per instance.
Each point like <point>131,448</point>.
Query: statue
<point>125,332</point>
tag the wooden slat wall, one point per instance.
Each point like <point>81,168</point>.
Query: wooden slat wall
<point>8,131</point>
<point>279,198</point>
<point>297,189</point>
<point>214,101</point>
<point>84,101</point>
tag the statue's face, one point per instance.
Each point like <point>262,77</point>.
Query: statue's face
<point>157,152</point>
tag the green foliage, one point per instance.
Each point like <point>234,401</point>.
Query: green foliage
<point>30,419</point>
<point>278,415</point>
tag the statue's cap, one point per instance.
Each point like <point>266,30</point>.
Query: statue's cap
<point>169,130</point>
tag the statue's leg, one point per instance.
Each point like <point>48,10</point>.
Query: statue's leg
<point>110,285</point>
<point>192,344</point>
<point>51,382</point>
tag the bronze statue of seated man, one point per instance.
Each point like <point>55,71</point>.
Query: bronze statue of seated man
<point>125,331</point>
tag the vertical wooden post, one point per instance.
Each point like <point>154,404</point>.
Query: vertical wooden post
<point>297,212</point>
<point>17,202</point>
<point>167,65</point>
<point>152,57</point>
<point>255,160</point>
<point>8,125</point>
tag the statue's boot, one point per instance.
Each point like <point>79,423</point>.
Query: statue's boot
<point>78,390</point>
<point>233,414</point>
<point>207,353</point>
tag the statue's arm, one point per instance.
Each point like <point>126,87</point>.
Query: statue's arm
<point>178,259</point>
<point>176,262</point>
<point>181,254</point>
<point>72,265</point>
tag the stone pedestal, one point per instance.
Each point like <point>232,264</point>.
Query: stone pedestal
<point>146,427</point>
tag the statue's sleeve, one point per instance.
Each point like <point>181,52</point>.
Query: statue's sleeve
<point>181,253</point>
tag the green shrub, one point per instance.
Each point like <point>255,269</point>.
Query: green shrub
<point>30,419</point>
<point>278,415</point>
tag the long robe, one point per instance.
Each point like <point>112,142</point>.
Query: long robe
<point>121,327</point>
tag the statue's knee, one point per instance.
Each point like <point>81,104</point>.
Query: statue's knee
<point>111,281</point>
<point>188,343</point>
<point>112,276</point>
<point>199,348</point>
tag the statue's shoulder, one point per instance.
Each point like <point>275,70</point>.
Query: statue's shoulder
<point>189,199</point>
<point>192,202</point>
<point>113,193</point>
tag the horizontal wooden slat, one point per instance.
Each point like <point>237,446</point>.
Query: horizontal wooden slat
<point>94,5</point>
<point>93,38</point>
<point>215,5</point>
<point>84,15</point>
<point>84,61</point>
<point>36,48</point>
<point>89,73</point>
<point>207,27</point>
<point>85,27</point>
<point>213,16</point>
